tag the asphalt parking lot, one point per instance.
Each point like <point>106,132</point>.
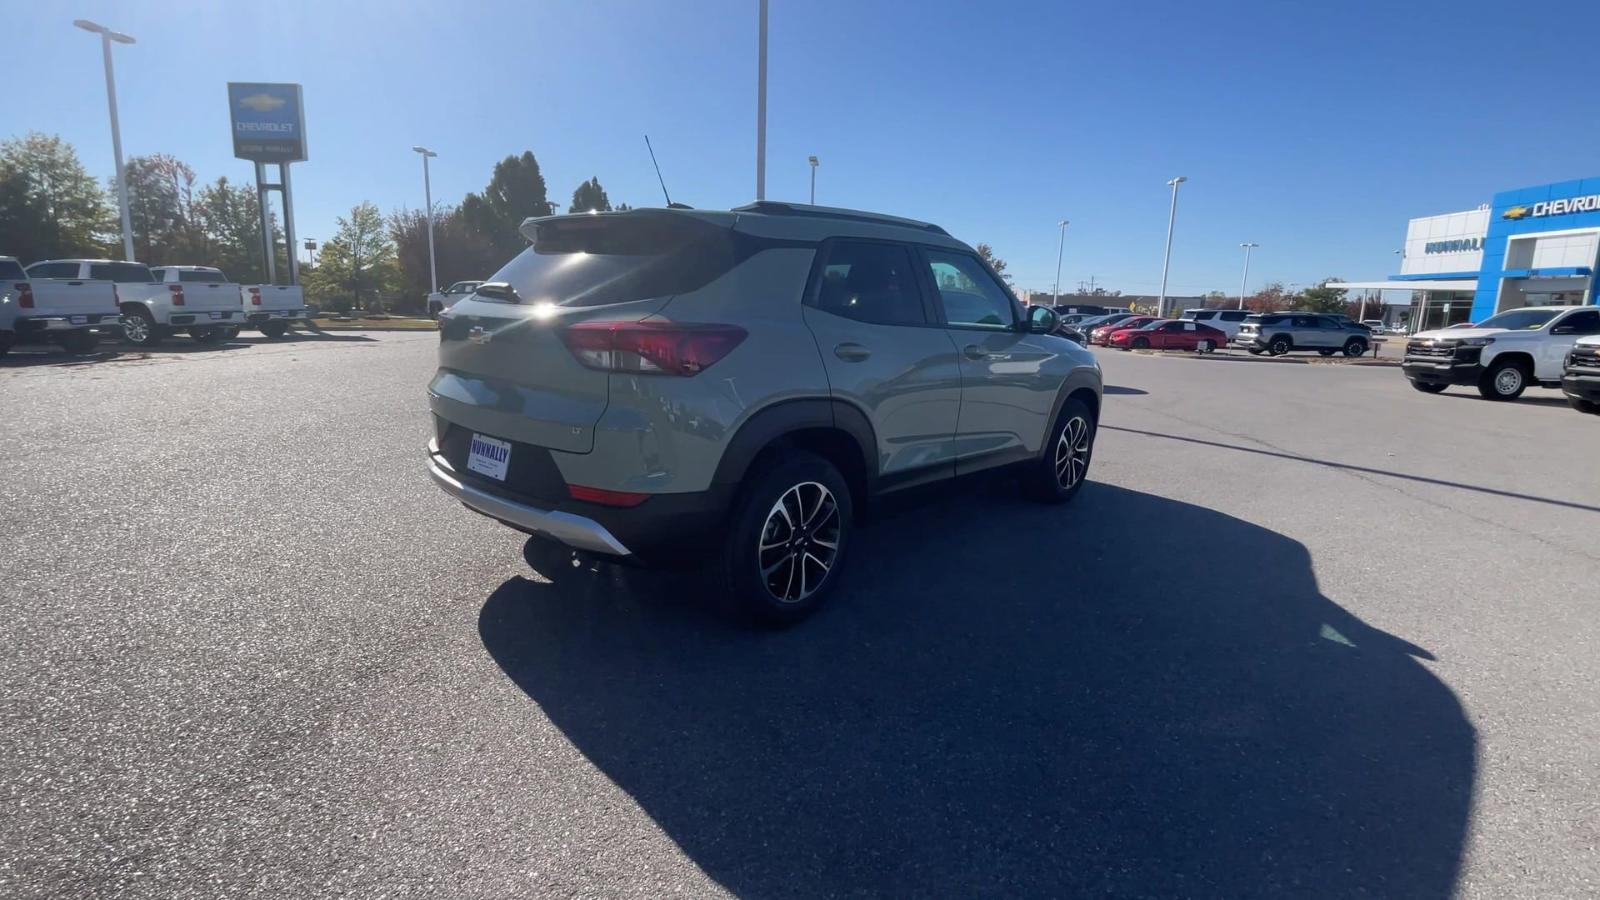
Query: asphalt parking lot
<point>1307,632</point>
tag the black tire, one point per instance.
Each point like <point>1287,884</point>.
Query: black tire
<point>80,342</point>
<point>765,551</point>
<point>6,340</point>
<point>1505,379</point>
<point>1141,343</point>
<point>434,309</point>
<point>207,335</point>
<point>1577,403</point>
<point>274,330</point>
<point>139,328</point>
<point>1280,345</point>
<point>1206,347</point>
<point>1355,348</point>
<point>1254,352</point>
<point>1428,387</point>
<point>1324,352</point>
<point>228,332</point>
<point>1054,478</point>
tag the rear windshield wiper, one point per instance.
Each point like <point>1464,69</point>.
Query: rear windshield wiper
<point>499,290</point>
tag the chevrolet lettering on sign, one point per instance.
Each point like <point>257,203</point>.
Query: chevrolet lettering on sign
<point>1563,207</point>
<point>268,122</point>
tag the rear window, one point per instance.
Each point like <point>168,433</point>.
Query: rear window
<point>11,269</point>
<point>1236,315</point>
<point>121,273</point>
<point>1200,315</point>
<point>211,276</point>
<point>599,260</point>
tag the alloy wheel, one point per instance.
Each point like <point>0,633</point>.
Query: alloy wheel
<point>137,328</point>
<point>1508,381</point>
<point>799,542</point>
<point>1072,452</point>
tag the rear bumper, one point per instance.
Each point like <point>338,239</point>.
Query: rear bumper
<point>574,531</point>
<point>53,324</point>
<point>1442,372</point>
<point>199,318</point>
<point>1245,341</point>
<point>257,317</point>
<point>667,530</point>
<point>1581,384</point>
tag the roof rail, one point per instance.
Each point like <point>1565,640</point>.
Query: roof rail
<point>775,208</point>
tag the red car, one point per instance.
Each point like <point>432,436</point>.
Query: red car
<point>1169,334</point>
<point>1103,334</point>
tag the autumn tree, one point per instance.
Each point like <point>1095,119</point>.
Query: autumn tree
<point>460,252</point>
<point>50,206</point>
<point>986,252</point>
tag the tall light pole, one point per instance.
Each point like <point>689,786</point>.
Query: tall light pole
<point>1246,278</point>
<point>813,161</point>
<point>1166,262</point>
<point>1055,295</point>
<point>427,197</point>
<point>761,106</point>
<point>106,37</point>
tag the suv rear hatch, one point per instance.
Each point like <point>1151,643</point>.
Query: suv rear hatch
<point>507,364</point>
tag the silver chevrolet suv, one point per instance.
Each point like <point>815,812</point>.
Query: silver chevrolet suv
<point>663,386</point>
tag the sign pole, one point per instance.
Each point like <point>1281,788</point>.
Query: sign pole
<point>288,223</point>
<point>266,222</point>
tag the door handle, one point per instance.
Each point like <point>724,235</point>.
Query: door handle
<point>851,352</point>
<point>973,351</point>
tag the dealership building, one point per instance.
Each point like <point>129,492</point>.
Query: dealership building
<point>1530,247</point>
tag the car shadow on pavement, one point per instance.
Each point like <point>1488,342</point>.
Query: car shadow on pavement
<point>1119,390</point>
<point>1129,696</point>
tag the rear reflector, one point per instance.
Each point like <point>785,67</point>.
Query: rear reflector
<point>177,294</point>
<point>652,348</point>
<point>605,497</point>
<point>24,295</point>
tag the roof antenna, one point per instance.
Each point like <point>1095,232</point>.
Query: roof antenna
<point>670,204</point>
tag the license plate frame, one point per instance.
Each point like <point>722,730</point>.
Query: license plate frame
<point>489,456</point>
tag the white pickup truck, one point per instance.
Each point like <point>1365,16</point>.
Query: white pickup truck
<point>71,312</point>
<point>272,308</point>
<point>1503,354</point>
<point>207,295</point>
<point>151,308</point>
<point>439,301</point>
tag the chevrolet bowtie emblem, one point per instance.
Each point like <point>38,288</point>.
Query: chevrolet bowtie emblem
<point>1515,212</point>
<point>480,335</point>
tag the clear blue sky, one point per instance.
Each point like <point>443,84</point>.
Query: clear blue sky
<point>1315,129</point>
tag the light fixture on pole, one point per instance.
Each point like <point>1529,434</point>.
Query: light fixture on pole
<point>311,251</point>
<point>106,37</point>
<point>1166,262</point>
<point>761,106</point>
<point>813,161</point>
<point>427,197</point>
<point>1246,278</point>
<point>1055,295</point>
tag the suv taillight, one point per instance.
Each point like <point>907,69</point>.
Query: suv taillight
<point>655,348</point>
<point>255,296</point>
<point>177,294</point>
<point>24,295</point>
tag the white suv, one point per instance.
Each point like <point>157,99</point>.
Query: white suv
<point>1501,355</point>
<point>1226,321</point>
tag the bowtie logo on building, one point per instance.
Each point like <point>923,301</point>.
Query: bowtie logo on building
<point>1515,212</point>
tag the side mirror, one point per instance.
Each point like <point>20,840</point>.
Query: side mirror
<point>1042,320</point>
<point>1563,329</point>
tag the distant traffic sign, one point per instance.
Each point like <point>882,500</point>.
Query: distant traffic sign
<point>268,122</point>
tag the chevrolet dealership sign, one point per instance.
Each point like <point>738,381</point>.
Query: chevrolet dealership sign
<point>268,122</point>
<point>1562,207</point>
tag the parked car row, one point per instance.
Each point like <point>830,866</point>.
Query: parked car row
<point>78,302</point>
<point>1548,346</point>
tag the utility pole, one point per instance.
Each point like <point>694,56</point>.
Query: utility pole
<point>761,107</point>
<point>1166,263</point>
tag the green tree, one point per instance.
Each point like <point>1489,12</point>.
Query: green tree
<point>49,205</point>
<point>357,267</point>
<point>460,252</point>
<point>590,196</point>
<point>1323,299</point>
<point>996,263</point>
<point>516,191</point>
<point>163,209</point>
<point>229,217</point>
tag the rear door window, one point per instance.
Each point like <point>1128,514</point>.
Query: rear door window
<point>121,273</point>
<point>968,294</point>
<point>209,276</point>
<point>11,270</point>
<point>53,270</point>
<point>1585,322</point>
<point>870,282</point>
<point>1236,315</point>
<point>600,260</point>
